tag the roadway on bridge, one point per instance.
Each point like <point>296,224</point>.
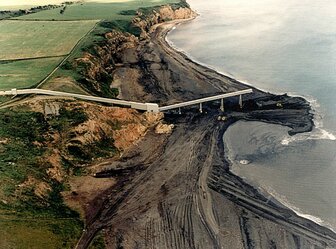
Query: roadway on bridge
<point>150,107</point>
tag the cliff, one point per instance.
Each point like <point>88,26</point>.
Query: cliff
<point>163,14</point>
<point>122,57</point>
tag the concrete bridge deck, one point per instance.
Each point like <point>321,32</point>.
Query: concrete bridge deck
<point>208,99</point>
<point>150,107</point>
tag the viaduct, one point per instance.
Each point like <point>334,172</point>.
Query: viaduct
<point>149,107</point>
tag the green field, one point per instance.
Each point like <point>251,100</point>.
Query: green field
<point>94,11</point>
<point>38,234</point>
<point>26,73</point>
<point>48,34</point>
<point>29,39</point>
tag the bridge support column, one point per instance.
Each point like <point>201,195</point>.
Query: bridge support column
<point>240,101</point>
<point>179,111</point>
<point>222,105</point>
<point>200,108</point>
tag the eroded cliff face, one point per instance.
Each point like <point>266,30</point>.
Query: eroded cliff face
<point>76,136</point>
<point>123,59</point>
<point>163,14</point>
<point>98,67</point>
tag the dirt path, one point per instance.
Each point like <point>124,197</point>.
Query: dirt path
<point>67,57</point>
<point>204,200</point>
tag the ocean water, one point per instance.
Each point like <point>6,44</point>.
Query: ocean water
<point>278,46</point>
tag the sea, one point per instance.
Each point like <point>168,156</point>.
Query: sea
<point>281,47</point>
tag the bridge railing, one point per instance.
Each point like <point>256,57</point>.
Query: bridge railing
<point>204,100</point>
<point>150,107</point>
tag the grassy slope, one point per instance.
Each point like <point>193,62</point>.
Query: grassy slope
<point>27,220</point>
<point>24,74</point>
<point>52,233</point>
<point>29,39</point>
<point>26,140</point>
<point>22,39</point>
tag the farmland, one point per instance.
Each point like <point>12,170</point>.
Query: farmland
<point>29,39</point>
<point>30,50</point>
<point>51,36</point>
<point>93,10</point>
<point>25,73</point>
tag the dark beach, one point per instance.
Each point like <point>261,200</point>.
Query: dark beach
<point>180,193</point>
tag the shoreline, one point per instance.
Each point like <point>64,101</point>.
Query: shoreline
<point>326,135</point>
<point>318,123</point>
<point>181,194</point>
<point>193,60</point>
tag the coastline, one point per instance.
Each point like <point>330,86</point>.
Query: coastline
<point>277,203</point>
<point>318,124</point>
<point>317,132</point>
<point>182,193</point>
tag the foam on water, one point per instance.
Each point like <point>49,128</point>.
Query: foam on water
<point>318,133</point>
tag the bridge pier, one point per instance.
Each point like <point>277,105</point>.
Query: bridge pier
<point>240,101</point>
<point>222,105</point>
<point>199,102</point>
<point>179,111</point>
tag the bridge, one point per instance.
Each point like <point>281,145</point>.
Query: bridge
<point>208,99</point>
<point>149,107</point>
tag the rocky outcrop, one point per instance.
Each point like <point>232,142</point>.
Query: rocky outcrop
<point>97,66</point>
<point>103,132</point>
<point>165,13</point>
<point>125,126</point>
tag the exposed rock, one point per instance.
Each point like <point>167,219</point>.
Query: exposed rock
<point>97,67</point>
<point>164,128</point>
<point>4,140</point>
<point>100,66</point>
<point>51,108</point>
<point>55,170</point>
<point>165,13</point>
<point>42,190</point>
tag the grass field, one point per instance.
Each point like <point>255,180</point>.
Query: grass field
<point>93,10</point>
<point>29,39</point>
<point>26,73</point>
<point>38,234</point>
<point>49,33</point>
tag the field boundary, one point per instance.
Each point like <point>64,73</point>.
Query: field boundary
<point>32,58</point>
<point>39,84</point>
<point>53,20</point>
